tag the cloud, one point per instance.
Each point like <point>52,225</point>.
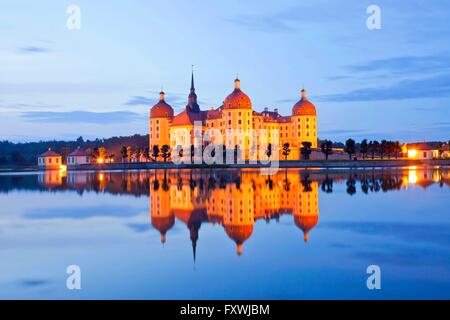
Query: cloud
<point>287,20</point>
<point>140,100</point>
<point>404,65</point>
<point>262,23</point>
<point>428,233</point>
<point>32,283</point>
<point>82,117</point>
<point>432,87</point>
<point>32,49</point>
<point>140,227</point>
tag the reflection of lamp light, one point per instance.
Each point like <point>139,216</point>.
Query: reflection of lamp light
<point>100,176</point>
<point>412,153</point>
<point>412,176</point>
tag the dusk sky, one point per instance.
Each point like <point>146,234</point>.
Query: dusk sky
<point>101,80</point>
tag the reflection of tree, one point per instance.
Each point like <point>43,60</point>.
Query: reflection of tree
<point>287,183</point>
<point>351,186</point>
<point>237,182</point>
<point>179,183</point>
<point>327,185</point>
<point>211,183</point>
<point>306,183</point>
<point>156,185</point>
<point>269,182</point>
<point>364,185</point>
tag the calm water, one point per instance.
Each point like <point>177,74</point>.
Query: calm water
<point>226,234</point>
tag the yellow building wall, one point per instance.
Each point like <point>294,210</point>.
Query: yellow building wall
<point>159,132</point>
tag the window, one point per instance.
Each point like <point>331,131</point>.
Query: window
<point>157,121</point>
<point>239,121</point>
<point>87,159</point>
<point>49,160</point>
<point>57,160</point>
<point>229,122</point>
<point>240,113</point>
<point>424,154</point>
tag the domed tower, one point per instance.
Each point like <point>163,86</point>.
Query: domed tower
<point>239,217</point>
<point>161,115</point>
<point>304,121</point>
<point>161,215</point>
<point>306,207</point>
<point>238,116</point>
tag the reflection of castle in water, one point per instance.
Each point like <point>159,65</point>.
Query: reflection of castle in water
<point>235,200</point>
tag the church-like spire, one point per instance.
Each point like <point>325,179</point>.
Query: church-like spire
<point>192,99</point>
<point>192,80</point>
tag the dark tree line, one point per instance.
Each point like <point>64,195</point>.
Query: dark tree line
<point>25,153</point>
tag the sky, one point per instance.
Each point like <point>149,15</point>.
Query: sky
<point>101,80</point>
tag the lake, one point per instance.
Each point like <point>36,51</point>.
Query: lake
<point>226,234</point>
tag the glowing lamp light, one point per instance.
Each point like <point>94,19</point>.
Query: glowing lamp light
<point>412,177</point>
<point>100,160</point>
<point>62,167</point>
<point>412,153</point>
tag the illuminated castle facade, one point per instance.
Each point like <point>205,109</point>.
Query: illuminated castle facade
<point>236,113</point>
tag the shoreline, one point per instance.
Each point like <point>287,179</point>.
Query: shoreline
<point>300,164</point>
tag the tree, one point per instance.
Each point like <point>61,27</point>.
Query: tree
<point>95,153</point>
<point>375,148</point>
<point>123,153</point>
<point>17,157</point>
<point>165,152</point>
<point>305,150</point>
<point>155,152</point>
<point>269,150</point>
<point>138,153</point>
<point>224,154</point>
<point>237,153</point>
<point>102,153</point>
<point>350,147</point>
<point>397,149</point>
<point>326,148</point>
<point>364,148</point>
<point>146,153</point>
<point>286,150</point>
<point>129,153</point>
<point>192,153</point>
<point>383,148</point>
<point>441,149</point>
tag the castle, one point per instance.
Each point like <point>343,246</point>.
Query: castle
<point>235,114</point>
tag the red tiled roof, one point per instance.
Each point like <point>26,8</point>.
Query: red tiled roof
<point>423,146</point>
<point>213,114</point>
<point>304,108</point>
<point>78,152</point>
<point>161,110</point>
<point>284,119</point>
<point>237,100</point>
<point>187,118</point>
<point>49,153</point>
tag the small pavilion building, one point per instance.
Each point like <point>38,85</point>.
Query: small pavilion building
<point>78,157</point>
<point>50,160</point>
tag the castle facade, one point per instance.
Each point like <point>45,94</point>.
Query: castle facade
<point>234,125</point>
